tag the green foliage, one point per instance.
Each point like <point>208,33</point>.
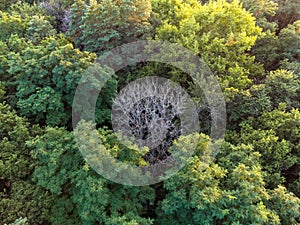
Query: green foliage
<point>248,206</point>
<point>25,21</point>
<point>275,135</point>
<point>220,32</point>
<point>250,102</point>
<point>283,86</point>
<point>131,155</point>
<point>11,24</point>
<point>268,42</point>
<point>14,131</point>
<point>281,47</point>
<point>76,15</point>
<point>82,196</point>
<point>286,125</point>
<point>100,26</point>
<point>293,67</point>
<point>4,4</point>
<point>38,29</point>
<point>279,86</point>
<point>19,197</point>
<point>260,8</point>
<point>27,11</point>
<point>2,91</point>
<point>44,179</point>
<point>47,76</point>
<point>217,195</point>
<point>95,78</point>
<point>12,44</point>
<point>4,50</point>
<point>230,156</point>
<point>285,204</point>
<point>289,39</point>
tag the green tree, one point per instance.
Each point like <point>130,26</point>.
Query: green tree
<point>11,24</point>
<point>46,79</point>
<point>285,204</point>
<point>19,196</point>
<point>283,86</point>
<point>282,47</point>
<point>262,10</point>
<point>230,191</point>
<point>38,29</point>
<point>279,86</point>
<point>25,21</point>
<point>81,195</point>
<point>100,26</point>
<point>246,103</point>
<point>274,135</point>
<point>21,25</point>
<point>220,32</point>
<point>12,44</point>
<point>289,39</point>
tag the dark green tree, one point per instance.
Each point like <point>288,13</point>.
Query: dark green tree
<point>274,135</point>
<point>19,196</point>
<point>282,47</point>
<point>103,25</point>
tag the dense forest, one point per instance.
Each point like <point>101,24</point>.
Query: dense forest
<point>252,49</point>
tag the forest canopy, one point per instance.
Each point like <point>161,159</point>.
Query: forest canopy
<point>251,47</point>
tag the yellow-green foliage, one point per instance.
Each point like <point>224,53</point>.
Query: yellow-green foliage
<point>220,32</point>
<point>11,24</point>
